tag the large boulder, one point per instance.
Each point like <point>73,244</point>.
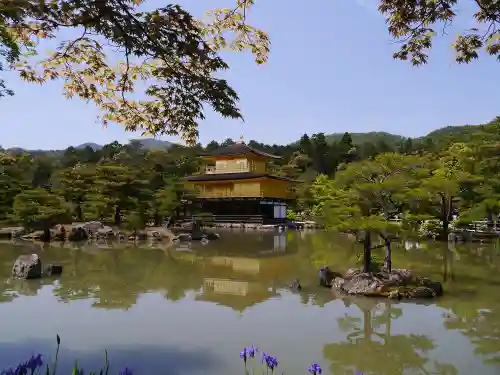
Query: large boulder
<point>27,266</point>
<point>92,226</point>
<point>78,234</point>
<point>435,286</point>
<point>105,232</point>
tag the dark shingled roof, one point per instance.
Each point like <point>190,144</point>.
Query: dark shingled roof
<point>234,176</point>
<point>239,149</point>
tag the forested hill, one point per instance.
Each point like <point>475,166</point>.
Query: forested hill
<point>372,137</point>
<point>146,143</point>
<point>462,133</point>
<point>145,178</point>
<point>440,136</point>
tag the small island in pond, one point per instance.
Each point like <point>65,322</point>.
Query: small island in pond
<point>393,284</point>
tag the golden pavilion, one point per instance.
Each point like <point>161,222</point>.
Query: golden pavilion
<point>234,185</point>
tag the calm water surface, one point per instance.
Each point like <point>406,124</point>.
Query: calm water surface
<point>190,310</point>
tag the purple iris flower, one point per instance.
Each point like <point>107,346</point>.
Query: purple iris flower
<point>252,351</point>
<point>270,361</point>
<point>34,363</point>
<point>315,369</point>
<point>244,355</point>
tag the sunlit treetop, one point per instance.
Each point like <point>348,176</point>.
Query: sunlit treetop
<point>416,22</point>
<point>413,23</point>
<point>169,60</point>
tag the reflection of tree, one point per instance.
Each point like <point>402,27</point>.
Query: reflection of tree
<point>370,349</point>
<point>26,287</point>
<point>482,327</point>
<point>7,294</point>
<point>116,277</point>
<point>112,277</point>
<point>476,310</point>
<point>448,262</point>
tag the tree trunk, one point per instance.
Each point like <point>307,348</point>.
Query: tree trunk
<point>118,216</point>
<point>450,250</point>
<point>388,254</point>
<point>367,324</point>
<point>367,253</point>
<point>79,212</point>
<point>46,234</point>
<point>445,214</point>
<point>490,222</point>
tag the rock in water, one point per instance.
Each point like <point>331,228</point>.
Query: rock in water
<point>27,266</point>
<point>296,285</point>
<point>436,286</point>
<point>52,269</point>
<point>421,292</point>
<point>326,276</point>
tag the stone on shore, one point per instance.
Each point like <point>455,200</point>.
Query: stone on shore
<point>12,232</point>
<point>27,266</point>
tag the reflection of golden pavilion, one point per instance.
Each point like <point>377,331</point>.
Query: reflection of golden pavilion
<point>238,288</point>
<point>236,294</point>
<point>247,265</point>
<point>244,270</point>
<point>250,269</point>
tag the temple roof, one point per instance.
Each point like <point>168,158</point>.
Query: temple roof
<point>239,148</point>
<point>234,176</point>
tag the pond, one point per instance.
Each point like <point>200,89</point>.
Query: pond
<point>190,309</point>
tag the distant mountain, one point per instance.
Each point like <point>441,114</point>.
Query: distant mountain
<point>19,150</point>
<point>153,144</point>
<point>95,146</point>
<point>147,143</point>
<point>443,136</point>
<point>458,133</point>
<point>371,137</point>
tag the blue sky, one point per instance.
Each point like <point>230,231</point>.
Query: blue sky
<point>330,70</point>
